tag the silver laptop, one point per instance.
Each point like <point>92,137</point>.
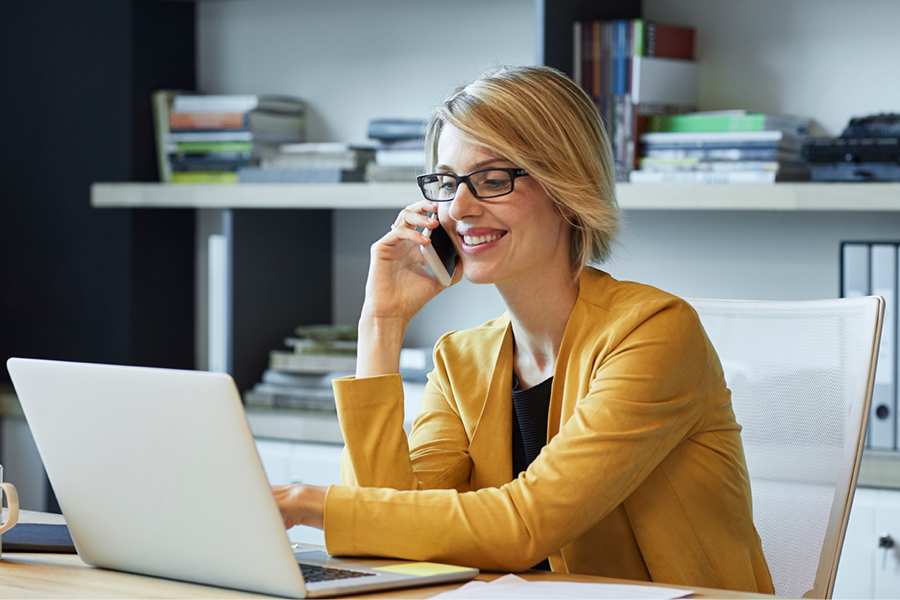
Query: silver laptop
<point>156,472</point>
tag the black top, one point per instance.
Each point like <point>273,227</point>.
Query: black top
<point>530,411</point>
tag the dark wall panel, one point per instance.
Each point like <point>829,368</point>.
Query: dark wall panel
<point>76,82</point>
<point>282,279</point>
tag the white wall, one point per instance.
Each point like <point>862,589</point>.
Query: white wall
<point>355,60</point>
<point>827,59</point>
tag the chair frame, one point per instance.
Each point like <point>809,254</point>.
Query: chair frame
<point>829,556</point>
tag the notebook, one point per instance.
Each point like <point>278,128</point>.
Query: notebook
<point>156,472</point>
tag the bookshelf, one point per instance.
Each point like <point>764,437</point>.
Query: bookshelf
<point>852,197</point>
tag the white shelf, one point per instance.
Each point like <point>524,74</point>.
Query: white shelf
<point>267,195</point>
<point>767,197</point>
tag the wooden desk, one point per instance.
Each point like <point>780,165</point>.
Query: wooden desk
<point>66,576</point>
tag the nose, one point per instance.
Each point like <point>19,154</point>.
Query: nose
<point>464,203</point>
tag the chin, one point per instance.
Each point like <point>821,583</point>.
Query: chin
<point>473,274</point>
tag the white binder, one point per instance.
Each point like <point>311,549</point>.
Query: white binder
<point>883,416</point>
<point>855,281</point>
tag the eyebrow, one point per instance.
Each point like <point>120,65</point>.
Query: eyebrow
<point>477,166</point>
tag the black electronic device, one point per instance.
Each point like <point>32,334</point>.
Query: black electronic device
<point>867,150</point>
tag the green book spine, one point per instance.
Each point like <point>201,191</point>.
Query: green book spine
<point>638,37</point>
<point>204,177</point>
<point>207,147</point>
<point>694,123</point>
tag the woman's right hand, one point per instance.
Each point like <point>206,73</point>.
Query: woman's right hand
<point>397,287</point>
<point>399,284</point>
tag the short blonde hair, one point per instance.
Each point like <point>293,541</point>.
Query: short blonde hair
<point>539,119</point>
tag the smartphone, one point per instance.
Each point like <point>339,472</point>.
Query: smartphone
<point>441,255</point>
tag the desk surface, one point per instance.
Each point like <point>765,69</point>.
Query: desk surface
<point>66,576</point>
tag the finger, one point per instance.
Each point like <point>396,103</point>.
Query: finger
<point>417,215</point>
<point>398,235</point>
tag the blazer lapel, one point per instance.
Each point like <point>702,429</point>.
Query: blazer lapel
<point>491,444</point>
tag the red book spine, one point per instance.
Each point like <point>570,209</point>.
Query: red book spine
<point>206,121</point>
<point>670,41</point>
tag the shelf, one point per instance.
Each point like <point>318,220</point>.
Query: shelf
<point>779,196</point>
<point>766,197</point>
<point>266,195</point>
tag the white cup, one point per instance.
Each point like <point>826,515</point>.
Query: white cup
<point>12,501</point>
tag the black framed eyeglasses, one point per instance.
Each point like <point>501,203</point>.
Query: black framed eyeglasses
<point>486,183</point>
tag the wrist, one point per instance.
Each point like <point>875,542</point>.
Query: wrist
<point>379,344</point>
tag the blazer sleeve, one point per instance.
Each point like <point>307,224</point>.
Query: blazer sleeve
<point>643,400</point>
<point>377,452</point>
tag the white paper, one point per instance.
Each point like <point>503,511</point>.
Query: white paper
<point>514,587</point>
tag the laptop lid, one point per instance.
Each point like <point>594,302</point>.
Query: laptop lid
<point>157,473</point>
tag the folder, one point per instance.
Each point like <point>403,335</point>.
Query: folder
<point>883,416</point>
<point>855,283</point>
<point>38,537</point>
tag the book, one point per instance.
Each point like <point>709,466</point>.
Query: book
<point>302,380</point>
<point>694,164</point>
<point>665,81</point>
<point>204,177</point>
<point>392,174</point>
<point>207,147</point>
<point>39,537</point>
<point>395,129</point>
<point>162,103</point>
<point>732,120</point>
<point>277,396</point>
<point>318,156</point>
<point>722,154</point>
<point>292,362</point>
<point>299,175</point>
<point>400,158</point>
<point>207,120</point>
<point>722,139</point>
<point>177,137</point>
<point>716,177</point>
<point>236,103</point>
<point>197,161</point>
<point>670,41</point>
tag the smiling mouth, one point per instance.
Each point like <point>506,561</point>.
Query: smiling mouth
<point>477,240</point>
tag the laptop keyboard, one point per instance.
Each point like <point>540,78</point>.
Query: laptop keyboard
<point>315,573</point>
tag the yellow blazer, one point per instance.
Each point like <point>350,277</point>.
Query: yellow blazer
<point>643,475</point>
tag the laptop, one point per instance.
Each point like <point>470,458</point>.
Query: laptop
<point>156,473</point>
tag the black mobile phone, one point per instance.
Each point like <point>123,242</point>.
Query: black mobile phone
<point>441,255</point>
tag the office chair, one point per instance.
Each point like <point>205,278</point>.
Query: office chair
<point>801,377</point>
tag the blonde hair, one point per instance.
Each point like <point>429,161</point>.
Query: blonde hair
<point>540,120</point>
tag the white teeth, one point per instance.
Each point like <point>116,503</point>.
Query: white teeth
<point>481,239</point>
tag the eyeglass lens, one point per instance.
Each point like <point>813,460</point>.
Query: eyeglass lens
<point>486,184</point>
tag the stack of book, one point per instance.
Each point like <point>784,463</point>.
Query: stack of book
<point>723,147</point>
<point>300,376</point>
<point>209,138</point>
<point>634,69</point>
<point>310,163</point>
<point>400,155</point>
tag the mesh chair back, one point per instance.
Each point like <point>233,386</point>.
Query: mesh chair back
<point>801,376</point>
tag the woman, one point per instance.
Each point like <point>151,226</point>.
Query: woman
<point>589,425</point>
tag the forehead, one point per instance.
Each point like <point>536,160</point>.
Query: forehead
<point>461,153</point>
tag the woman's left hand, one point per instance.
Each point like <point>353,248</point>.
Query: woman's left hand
<point>301,504</point>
